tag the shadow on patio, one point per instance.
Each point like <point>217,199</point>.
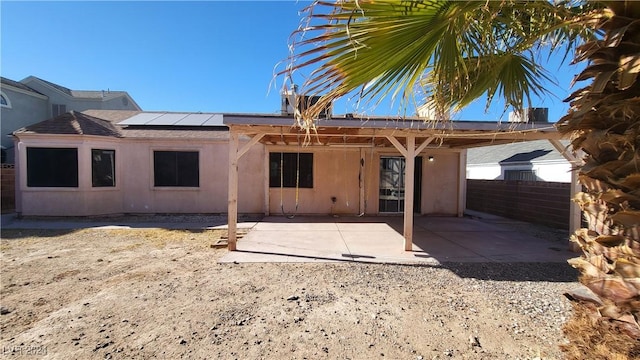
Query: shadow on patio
<point>501,251</point>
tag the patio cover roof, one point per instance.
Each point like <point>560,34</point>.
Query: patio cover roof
<point>276,129</point>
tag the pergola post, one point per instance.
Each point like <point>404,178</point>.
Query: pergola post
<point>361,181</point>
<point>232,211</point>
<point>267,198</point>
<point>409,154</point>
<point>575,214</point>
<point>462,182</point>
<point>235,153</point>
<point>409,171</point>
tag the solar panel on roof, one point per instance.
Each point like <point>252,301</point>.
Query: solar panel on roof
<point>174,119</point>
<point>215,120</point>
<point>194,120</point>
<point>140,119</point>
<point>167,119</point>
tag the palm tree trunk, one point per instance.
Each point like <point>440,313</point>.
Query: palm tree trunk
<point>604,122</point>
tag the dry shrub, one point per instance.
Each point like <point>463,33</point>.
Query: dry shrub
<point>595,338</point>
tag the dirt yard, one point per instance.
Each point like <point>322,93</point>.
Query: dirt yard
<point>138,294</point>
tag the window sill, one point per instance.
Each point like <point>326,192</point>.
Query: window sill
<point>104,188</point>
<point>175,188</point>
<point>51,189</point>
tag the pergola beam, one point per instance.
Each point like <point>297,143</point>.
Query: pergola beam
<point>424,144</point>
<point>254,140</point>
<point>485,134</point>
<point>398,145</point>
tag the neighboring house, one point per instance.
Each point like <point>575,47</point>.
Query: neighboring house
<point>530,161</point>
<point>32,100</point>
<point>20,106</point>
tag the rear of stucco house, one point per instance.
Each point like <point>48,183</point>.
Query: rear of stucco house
<point>98,163</point>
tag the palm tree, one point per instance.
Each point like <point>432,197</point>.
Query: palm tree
<point>456,52</point>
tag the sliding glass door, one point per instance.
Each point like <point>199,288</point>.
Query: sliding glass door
<point>392,182</point>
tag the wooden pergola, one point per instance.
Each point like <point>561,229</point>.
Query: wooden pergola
<point>408,136</point>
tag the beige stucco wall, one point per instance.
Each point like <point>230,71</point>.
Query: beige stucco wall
<point>82,200</point>
<point>134,191</point>
<point>336,172</point>
<point>440,181</point>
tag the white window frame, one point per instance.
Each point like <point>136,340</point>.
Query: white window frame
<point>6,98</point>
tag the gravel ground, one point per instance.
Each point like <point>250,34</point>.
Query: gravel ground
<point>161,294</point>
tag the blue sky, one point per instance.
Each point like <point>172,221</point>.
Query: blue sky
<point>209,56</point>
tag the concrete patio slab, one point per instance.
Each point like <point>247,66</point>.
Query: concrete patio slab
<point>350,238</point>
<point>379,239</point>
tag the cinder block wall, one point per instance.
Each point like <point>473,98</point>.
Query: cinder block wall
<point>545,203</point>
<point>8,187</point>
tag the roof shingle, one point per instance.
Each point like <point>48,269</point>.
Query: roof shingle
<point>73,123</point>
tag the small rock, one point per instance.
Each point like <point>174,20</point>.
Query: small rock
<point>474,341</point>
<point>448,353</point>
<point>293,298</point>
<point>102,345</point>
<point>183,342</point>
<point>4,311</point>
